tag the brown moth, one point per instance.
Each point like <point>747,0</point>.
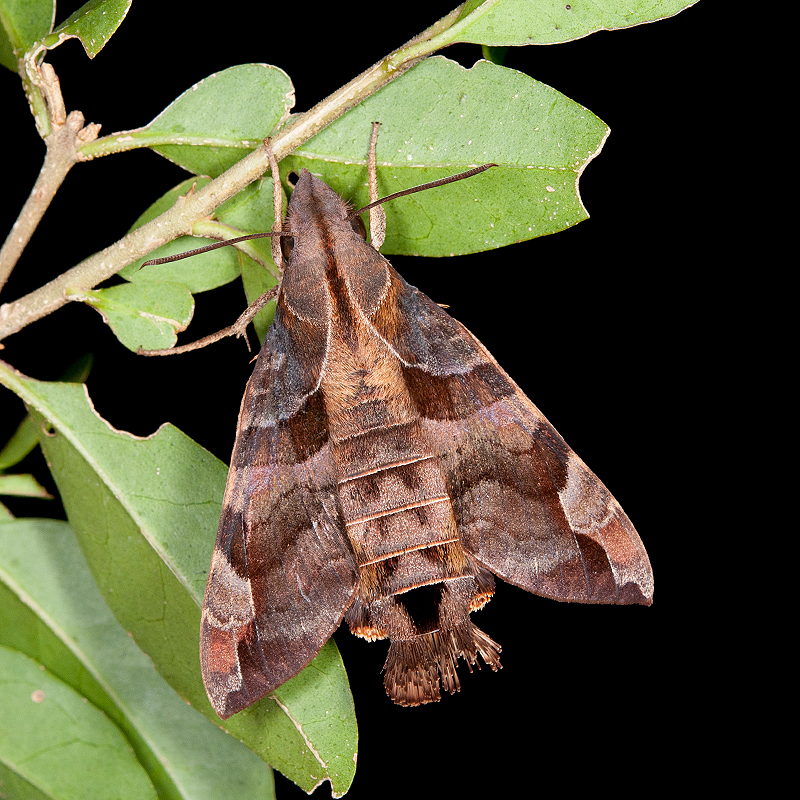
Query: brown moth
<point>385,468</point>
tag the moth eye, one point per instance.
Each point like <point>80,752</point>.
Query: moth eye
<point>357,224</point>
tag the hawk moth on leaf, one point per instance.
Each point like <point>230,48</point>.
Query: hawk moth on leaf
<point>385,469</point>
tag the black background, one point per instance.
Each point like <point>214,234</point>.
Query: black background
<point>594,323</point>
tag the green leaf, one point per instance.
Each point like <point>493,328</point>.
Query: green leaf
<point>28,22</point>
<point>250,211</point>
<point>145,512</point>
<point>64,746</point>
<point>459,118</point>
<point>22,486</point>
<point>93,24</point>
<point>220,119</point>
<point>23,23</point>
<point>142,314</point>
<point>52,612</point>
<point>523,22</point>
<point>24,439</point>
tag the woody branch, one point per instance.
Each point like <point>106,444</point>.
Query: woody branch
<point>179,219</point>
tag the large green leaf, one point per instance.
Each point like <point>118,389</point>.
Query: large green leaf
<point>438,119</point>
<point>220,119</point>
<point>52,612</point>
<point>145,512</point>
<point>55,741</point>
<point>521,22</point>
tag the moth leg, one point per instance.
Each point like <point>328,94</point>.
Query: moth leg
<point>277,205</point>
<point>237,329</point>
<point>377,215</point>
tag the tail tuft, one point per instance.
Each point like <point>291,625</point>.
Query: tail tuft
<point>415,667</point>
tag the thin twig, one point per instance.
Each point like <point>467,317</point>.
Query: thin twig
<point>67,134</point>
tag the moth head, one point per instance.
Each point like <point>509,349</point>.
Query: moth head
<point>288,233</point>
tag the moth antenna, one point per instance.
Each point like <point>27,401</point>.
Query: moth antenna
<point>206,248</point>
<point>276,231</point>
<point>422,187</point>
